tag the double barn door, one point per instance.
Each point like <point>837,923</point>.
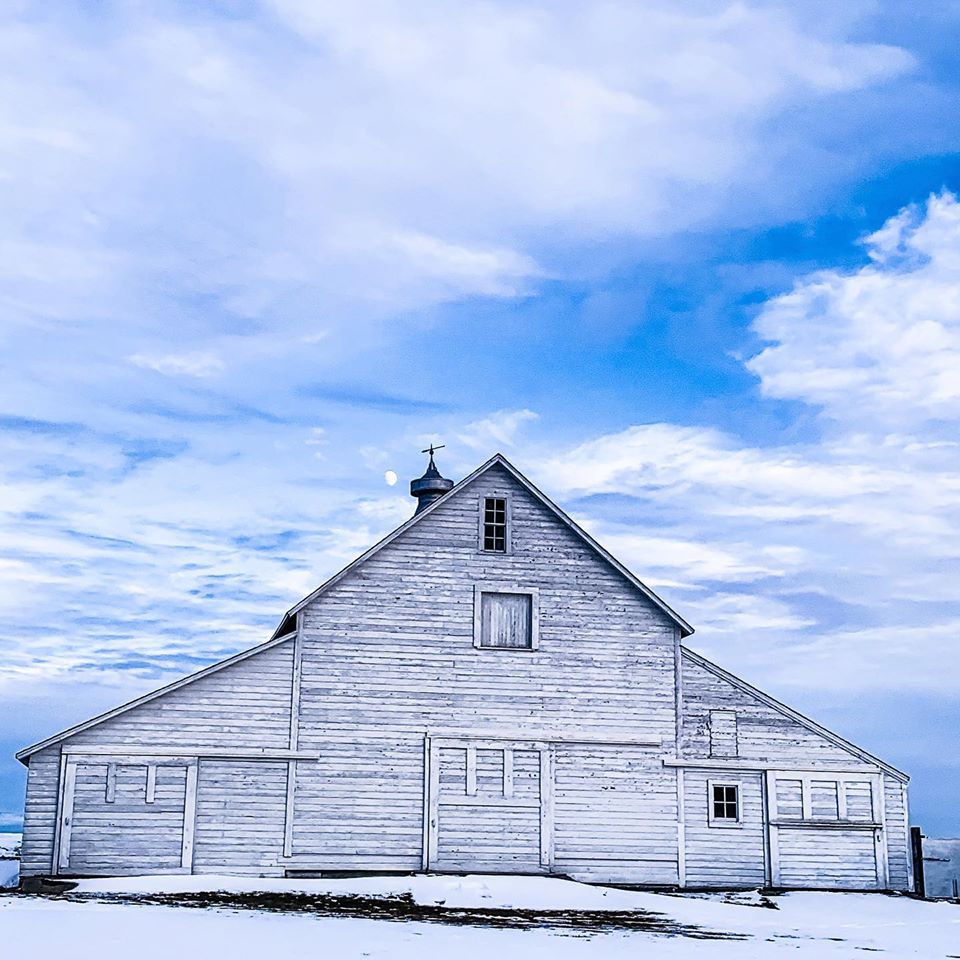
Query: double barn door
<point>489,806</point>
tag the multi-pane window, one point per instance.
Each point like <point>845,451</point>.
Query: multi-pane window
<point>823,798</point>
<point>495,524</point>
<point>725,802</point>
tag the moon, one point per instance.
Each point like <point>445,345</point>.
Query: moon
<point>391,478</point>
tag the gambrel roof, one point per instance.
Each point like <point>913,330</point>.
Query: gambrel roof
<point>498,459</point>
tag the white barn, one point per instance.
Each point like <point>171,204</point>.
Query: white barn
<point>486,689</point>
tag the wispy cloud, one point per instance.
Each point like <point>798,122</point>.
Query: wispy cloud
<point>188,364</point>
<point>866,517</point>
<point>358,396</point>
<point>499,430</point>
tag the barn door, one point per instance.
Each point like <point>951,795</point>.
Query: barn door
<point>826,830</point>
<point>489,806</point>
<point>122,815</point>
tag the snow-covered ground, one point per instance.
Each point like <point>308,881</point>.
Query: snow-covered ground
<point>9,859</point>
<point>805,925</point>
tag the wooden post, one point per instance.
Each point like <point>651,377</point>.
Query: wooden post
<point>916,851</point>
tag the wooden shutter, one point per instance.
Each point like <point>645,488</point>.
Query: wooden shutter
<point>506,620</point>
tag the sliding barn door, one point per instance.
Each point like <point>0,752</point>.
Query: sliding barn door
<point>126,816</point>
<point>489,806</point>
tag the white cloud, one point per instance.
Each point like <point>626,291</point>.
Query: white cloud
<point>182,175</point>
<point>880,347</point>
<point>189,364</point>
<point>500,429</point>
<point>831,561</point>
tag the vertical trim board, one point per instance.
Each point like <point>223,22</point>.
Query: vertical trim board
<point>111,792</point>
<point>681,829</point>
<point>507,772</point>
<point>546,807</point>
<point>288,808</point>
<point>189,817</point>
<point>150,790</point>
<point>66,815</point>
<point>471,771</point>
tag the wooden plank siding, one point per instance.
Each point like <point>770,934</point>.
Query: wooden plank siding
<point>112,828</point>
<point>615,814</point>
<point>763,733</point>
<point>240,817</point>
<point>246,704</point>
<point>724,856</point>
<point>388,653</point>
<point>816,781</point>
<point>40,813</point>
<point>380,737</point>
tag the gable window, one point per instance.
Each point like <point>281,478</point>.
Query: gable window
<point>506,617</point>
<point>496,533</point>
<point>724,801</point>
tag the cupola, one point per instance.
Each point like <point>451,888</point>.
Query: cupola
<point>431,486</point>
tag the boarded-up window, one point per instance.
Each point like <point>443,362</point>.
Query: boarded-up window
<point>859,800</point>
<point>723,733</point>
<point>506,620</point>
<point>790,799</point>
<point>824,804</point>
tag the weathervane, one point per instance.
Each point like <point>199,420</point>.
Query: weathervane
<point>432,448</point>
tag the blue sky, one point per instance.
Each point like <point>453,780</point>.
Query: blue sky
<point>692,266</point>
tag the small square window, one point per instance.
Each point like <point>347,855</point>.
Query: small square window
<point>495,533</point>
<point>724,803</point>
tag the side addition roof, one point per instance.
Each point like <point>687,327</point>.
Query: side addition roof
<point>795,715</point>
<point>26,752</point>
<point>497,459</point>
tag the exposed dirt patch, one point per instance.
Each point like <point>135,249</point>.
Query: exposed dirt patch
<point>402,907</point>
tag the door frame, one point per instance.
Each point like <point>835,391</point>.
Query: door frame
<point>60,861</point>
<point>877,827</point>
<point>431,792</point>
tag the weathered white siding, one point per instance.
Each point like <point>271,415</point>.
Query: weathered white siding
<point>387,740</point>
<point>40,813</point>
<point>388,654</point>
<point>827,858</point>
<point>897,831</point>
<point>245,704</point>
<point>114,830</point>
<point>240,817</point>
<point>832,855</point>
<point>722,855</point>
<point>360,806</point>
<point>615,810</point>
<point>763,733</point>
